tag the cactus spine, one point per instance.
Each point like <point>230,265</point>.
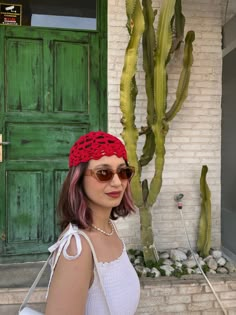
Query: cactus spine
<point>157,50</point>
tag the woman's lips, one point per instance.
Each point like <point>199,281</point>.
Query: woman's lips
<point>114,194</point>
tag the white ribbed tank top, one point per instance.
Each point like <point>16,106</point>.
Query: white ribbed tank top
<point>120,281</point>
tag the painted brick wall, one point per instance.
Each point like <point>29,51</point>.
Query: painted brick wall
<point>163,296</point>
<point>191,295</point>
<point>194,138</point>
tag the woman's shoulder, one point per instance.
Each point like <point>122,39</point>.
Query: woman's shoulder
<point>71,244</point>
<point>77,243</point>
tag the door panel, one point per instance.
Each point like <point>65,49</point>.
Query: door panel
<point>24,73</point>
<point>71,65</point>
<point>39,141</point>
<point>24,207</point>
<point>49,95</point>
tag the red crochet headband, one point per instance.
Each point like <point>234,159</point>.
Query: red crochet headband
<point>95,145</point>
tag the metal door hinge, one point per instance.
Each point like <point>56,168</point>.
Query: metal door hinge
<point>4,143</point>
<point>3,236</point>
<point>1,144</point>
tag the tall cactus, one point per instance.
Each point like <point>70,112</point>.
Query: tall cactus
<point>204,236</point>
<point>157,51</point>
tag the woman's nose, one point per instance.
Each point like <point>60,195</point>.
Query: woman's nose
<point>115,180</point>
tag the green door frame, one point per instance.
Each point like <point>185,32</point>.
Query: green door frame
<point>102,16</point>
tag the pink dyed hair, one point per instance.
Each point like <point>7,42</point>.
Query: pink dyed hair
<point>72,206</point>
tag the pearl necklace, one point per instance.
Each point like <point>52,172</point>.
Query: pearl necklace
<point>104,232</point>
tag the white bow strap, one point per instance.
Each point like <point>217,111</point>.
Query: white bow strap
<point>61,246</point>
<point>63,243</point>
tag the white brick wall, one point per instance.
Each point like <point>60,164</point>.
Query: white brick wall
<point>162,296</point>
<point>194,137</point>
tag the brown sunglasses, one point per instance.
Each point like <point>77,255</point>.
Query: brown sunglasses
<point>106,174</point>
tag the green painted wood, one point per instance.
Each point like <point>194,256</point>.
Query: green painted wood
<point>39,141</point>
<point>71,97</point>
<point>24,65</point>
<point>52,90</point>
<point>24,204</point>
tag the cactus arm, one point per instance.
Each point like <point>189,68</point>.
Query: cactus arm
<point>130,7</point>
<point>179,21</point>
<point>148,44</point>
<point>156,182</point>
<point>182,90</point>
<point>128,91</point>
<point>160,128</point>
<point>164,38</point>
<point>204,238</point>
<point>178,27</point>
<point>148,149</point>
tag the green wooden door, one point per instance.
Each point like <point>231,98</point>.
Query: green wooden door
<point>51,92</point>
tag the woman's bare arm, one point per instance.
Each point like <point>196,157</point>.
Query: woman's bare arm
<point>70,283</point>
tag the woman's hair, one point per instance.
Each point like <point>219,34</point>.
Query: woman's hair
<point>72,206</point>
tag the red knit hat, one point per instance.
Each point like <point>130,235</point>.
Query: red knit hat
<point>95,145</point>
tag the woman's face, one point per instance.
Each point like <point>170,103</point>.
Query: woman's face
<point>107,194</point>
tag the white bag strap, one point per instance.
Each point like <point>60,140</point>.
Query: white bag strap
<point>32,288</point>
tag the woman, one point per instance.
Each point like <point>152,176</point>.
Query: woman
<point>96,191</point>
